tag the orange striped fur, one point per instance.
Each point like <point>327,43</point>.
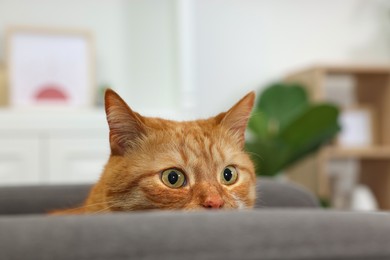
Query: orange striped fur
<point>143,147</point>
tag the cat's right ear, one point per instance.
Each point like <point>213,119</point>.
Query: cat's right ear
<point>126,126</point>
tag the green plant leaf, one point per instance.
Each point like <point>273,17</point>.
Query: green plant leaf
<point>316,120</point>
<point>267,155</point>
<point>312,129</point>
<point>258,124</point>
<point>286,128</point>
<point>282,103</point>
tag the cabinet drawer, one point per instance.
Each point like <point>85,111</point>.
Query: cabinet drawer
<point>77,160</point>
<point>20,161</point>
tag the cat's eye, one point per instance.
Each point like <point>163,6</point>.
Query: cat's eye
<point>173,178</point>
<point>229,175</point>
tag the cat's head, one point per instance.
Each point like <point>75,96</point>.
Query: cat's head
<point>163,164</point>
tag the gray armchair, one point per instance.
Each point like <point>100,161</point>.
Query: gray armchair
<point>286,224</point>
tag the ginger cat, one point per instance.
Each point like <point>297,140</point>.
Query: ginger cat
<point>163,164</point>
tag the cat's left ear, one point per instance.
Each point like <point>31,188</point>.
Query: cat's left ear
<point>236,118</point>
<point>126,126</point>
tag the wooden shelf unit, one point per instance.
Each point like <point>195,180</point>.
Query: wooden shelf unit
<point>372,88</point>
<point>375,152</point>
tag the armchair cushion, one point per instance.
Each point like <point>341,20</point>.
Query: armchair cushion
<point>257,234</point>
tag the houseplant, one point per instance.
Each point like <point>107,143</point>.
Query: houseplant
<point>285,127</point>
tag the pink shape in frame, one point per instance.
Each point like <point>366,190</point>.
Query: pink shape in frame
<point>51,92</point>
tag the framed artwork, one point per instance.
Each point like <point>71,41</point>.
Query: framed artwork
<point>3,89</point>
<point>357,128</point>
<point>48,67</point>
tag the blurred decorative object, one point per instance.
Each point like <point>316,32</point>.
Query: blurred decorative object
<point>286,127</point>
<point>50,67</point>
<point>340,90</point>
<point>363,199</point>
<point>356,125</point>
<point>344,176</point>
<point>3,89</point>
<point>347,193</point>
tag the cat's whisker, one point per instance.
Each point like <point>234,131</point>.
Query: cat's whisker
<point>260,201</point>
<point>256,154</point>
<point>101,210</point>
<point>95,204</point>
<point>109,204</point>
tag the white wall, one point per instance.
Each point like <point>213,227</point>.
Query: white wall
<point>242,45</point>
<point>228,47</point>
<point>152,55</point>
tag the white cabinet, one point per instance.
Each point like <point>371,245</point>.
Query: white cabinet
<point>20,160</point>
<point>57,146</point>
<point>79,159</point>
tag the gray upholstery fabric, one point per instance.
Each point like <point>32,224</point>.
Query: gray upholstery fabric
<point>271,194</point>
<point>259,234</point>
<point>41,199</point>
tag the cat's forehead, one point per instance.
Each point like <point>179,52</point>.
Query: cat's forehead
<point>203,126</point>
<point>189,136</point>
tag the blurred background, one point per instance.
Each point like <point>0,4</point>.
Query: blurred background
<point>186,59</point>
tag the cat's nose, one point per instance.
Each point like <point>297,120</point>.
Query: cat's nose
<point>213,202</point>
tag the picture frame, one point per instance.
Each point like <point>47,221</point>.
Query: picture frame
<point>357,127</point>
<point>3,88</point>
<point>50,67</point>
